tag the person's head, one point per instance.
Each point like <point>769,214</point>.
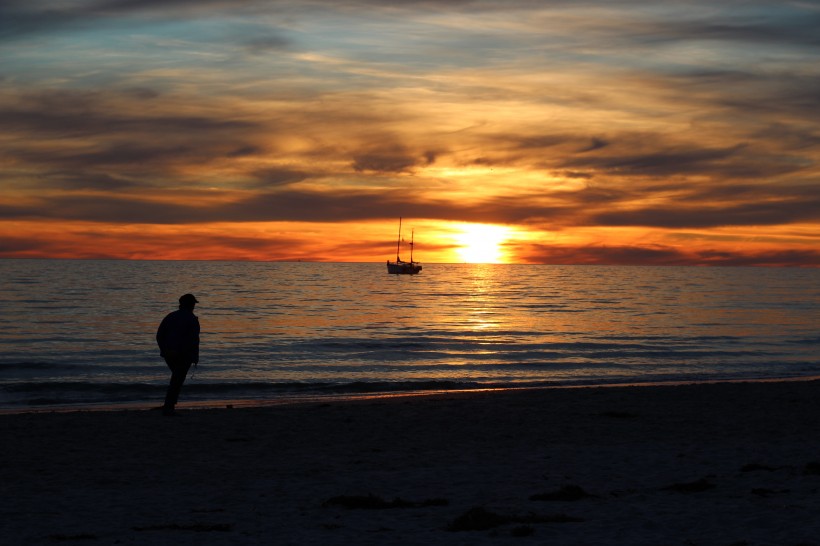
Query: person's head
<point>188,301</point>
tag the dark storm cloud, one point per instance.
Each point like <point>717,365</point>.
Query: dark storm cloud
<point>595,144</point>
<point>660,255</point>
<point>685,205</point>
<point>265,44</point>
<point>604,255</point>
<point>788,27</point>
<point>67,113</point>
<point>768,213</point>
<point>793,138</point>
<point>238,247</point>
<point>135,155</point>
<point>300,205</point>
<point>772,258</point>
<point>749,93</point>
<point>592,206</point>
<point>656,163</point>
<point>87,181</point>
<point>746,193</point>
<point>739,161</point>
<point>22,245</point>
<point>74,135</point>
<point>20,18</point>
<point>391,157</point>
<point>105,208</point>
<point>117,162</point>
<point>269,178</point>
<point>384,162</point>
<point>23,17</point>
<point>286,205</point>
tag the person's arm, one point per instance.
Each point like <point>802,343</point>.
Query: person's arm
<point>196,341</point>
<point>161,336</point>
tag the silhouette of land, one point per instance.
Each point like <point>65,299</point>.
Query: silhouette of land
<point>727,463</point>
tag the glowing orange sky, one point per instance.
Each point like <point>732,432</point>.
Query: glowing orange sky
<point>584,132</point>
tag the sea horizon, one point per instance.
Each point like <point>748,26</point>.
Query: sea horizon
<point>382,261</point>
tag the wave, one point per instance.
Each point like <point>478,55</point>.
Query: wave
<point>87,394</point>
<point>41,393</point>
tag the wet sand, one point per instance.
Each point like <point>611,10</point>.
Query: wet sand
<point>725,463</point>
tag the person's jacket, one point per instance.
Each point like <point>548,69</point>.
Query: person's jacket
<point>178,336</point>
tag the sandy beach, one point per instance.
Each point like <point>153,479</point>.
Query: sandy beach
<point>724,464</point>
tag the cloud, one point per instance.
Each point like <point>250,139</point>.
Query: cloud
<point>666,256</point>
<point>276,177</point>
<point>112,139</point>
<point>384,162</point>
<point>779,212</point>
<point>284,205</point>
<point>19,18</point>
<point>743,205</point>
<point>669,162</point>
<point>550,116</point>
<point>88,113</point>
<point>787,26</point>
<point>266,44</point>
<point>72,181</point>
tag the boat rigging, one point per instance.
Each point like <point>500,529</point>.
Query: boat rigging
<point>400,267</point>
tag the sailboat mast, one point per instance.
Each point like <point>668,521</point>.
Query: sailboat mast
<point>398,242</point>
<point>412,234</point>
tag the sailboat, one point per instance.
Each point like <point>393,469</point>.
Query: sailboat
<point>400,267</point>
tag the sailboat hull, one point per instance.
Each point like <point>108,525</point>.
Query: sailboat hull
<point>403,268</point>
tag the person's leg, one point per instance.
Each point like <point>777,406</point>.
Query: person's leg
<point>179,370</point>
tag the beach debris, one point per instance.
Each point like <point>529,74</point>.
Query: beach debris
<point>811,469</point>
<point>373,502</point>
<point>196,527</point>
<point>698,486</point>
<point>479,518</point>
<point>567,493</point>
<point>764,492</point>
<point>65,538</point>
<point>619,414</point>
<point>523,531</point>
<point>754,467</point>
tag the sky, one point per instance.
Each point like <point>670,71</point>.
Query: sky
<point>681,132</point>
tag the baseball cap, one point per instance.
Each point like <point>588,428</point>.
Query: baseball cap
<point>187,299</point>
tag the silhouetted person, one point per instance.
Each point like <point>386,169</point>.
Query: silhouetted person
<point>178,340</point>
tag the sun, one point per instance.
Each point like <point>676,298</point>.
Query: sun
<point>481,243</point>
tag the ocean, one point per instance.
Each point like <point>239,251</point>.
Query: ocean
<point>76,333</point>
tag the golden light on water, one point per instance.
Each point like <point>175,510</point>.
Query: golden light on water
<point>482,243</point>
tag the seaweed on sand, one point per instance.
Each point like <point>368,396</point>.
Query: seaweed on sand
<point>567,493</point>
<point>372,502</point>
<point>698,486</point>
<point>197,527</point>
<point>481,519</point>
